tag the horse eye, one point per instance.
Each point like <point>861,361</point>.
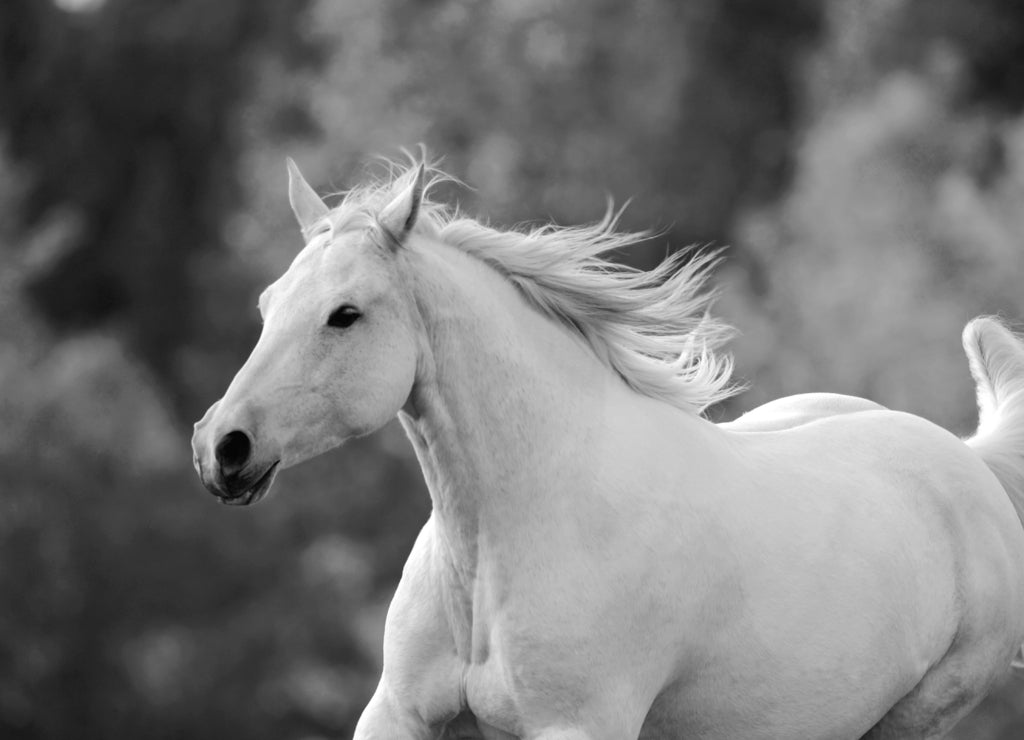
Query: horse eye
<point>343,317</point>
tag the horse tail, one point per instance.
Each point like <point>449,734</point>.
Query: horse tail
<point>996,357</point>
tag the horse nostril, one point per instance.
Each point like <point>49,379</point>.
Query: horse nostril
<point>233,452</point>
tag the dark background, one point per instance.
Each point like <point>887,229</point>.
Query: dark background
<point>864,161</point>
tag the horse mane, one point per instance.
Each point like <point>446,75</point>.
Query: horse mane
<point>652,328</point>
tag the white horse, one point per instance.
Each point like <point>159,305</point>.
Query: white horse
<point>601,561</point>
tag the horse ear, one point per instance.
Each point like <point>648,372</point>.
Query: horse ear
<point>399,216</point>
<point>308,207</point>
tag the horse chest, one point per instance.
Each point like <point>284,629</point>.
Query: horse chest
<point>490,700</point>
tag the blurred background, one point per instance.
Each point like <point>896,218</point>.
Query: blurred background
<point>863,161</point>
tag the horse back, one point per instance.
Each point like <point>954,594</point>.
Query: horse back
<point>794,411</point>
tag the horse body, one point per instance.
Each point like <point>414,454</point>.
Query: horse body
<point>665,577</point>
<point>602,564</point>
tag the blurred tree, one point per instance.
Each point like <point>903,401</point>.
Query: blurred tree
<point>126,116</point>
<point>988,35</point>
<point>690,108</point>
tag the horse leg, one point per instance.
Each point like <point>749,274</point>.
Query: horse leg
<point>945,694</point>
<point>384,719</point>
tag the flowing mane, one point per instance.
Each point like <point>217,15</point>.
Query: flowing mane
<point>652,328</point>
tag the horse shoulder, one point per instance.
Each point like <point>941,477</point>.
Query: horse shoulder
<point>794,411</point>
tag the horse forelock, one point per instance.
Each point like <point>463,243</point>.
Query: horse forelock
<point>652,328</point>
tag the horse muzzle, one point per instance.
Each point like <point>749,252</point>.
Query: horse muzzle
<point>232,473</point>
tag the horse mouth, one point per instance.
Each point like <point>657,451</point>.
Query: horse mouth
<point>255,492</point>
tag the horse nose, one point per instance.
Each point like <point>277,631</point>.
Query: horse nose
<point>232,452</point>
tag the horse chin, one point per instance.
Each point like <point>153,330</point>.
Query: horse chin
<point>256,492</point>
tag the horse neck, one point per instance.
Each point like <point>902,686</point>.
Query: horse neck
<point>501,395</point>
